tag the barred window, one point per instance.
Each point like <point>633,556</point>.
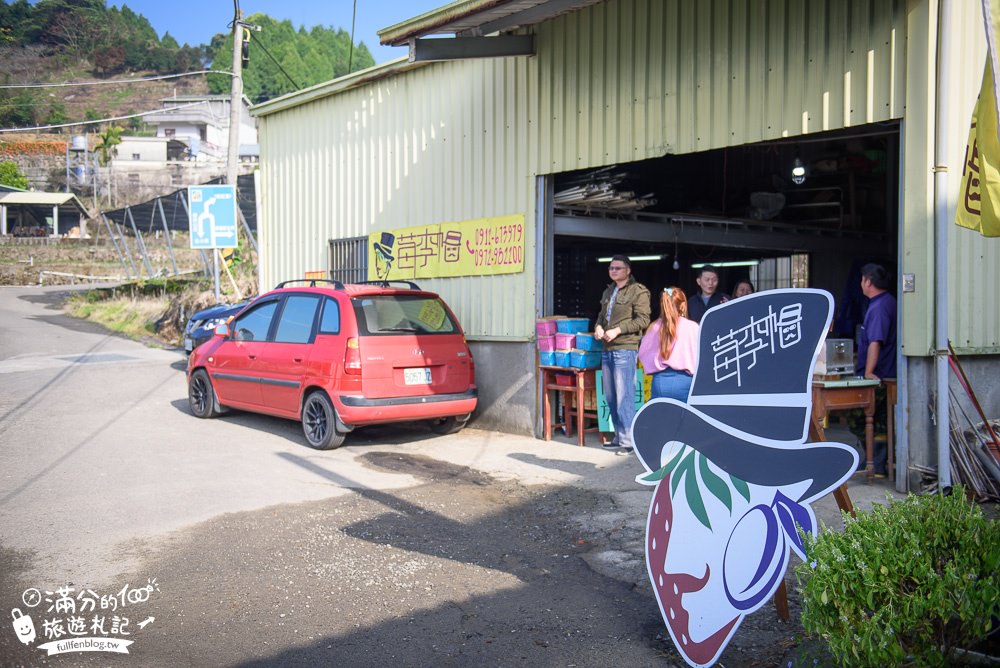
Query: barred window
<point>349,259</point>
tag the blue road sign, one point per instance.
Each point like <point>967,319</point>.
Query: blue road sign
<point>212,216</point>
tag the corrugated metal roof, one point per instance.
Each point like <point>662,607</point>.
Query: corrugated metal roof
<point>42,199</point>
<point>479,17</point>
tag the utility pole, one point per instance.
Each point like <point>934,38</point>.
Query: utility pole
<point>235,100</point>
<point>235,114</point>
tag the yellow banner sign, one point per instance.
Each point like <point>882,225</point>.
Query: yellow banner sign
<point>979,199</point>
<point>470,248</point>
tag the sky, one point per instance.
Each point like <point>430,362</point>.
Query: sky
<point>196,21</point>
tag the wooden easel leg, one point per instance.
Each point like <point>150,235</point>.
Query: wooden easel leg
<point>843,499</point>
<point>781,601</point>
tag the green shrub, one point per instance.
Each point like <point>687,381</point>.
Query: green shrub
<point>904,584</point>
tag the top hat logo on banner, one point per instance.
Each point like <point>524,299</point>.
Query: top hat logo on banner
<point>383,255</point>
<point>734,476</point>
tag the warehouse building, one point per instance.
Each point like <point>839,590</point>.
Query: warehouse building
<point>667,129</point>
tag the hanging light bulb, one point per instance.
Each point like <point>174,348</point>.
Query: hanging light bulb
<point>798,172</point>
<point>677,263</point>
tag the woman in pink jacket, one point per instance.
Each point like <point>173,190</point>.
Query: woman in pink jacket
<point>669,350</point>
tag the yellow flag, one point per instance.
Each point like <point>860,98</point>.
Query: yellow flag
<point>979,195</point>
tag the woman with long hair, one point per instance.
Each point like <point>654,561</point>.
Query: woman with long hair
<point>669,350</point>
<point>743,288</point>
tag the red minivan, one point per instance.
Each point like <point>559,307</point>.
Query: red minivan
<point>337,357</point>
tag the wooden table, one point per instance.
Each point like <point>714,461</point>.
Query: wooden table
<point>840,395</point>
<point>583,382</point>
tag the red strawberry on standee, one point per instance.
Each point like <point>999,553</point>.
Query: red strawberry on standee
<point>669,588</point>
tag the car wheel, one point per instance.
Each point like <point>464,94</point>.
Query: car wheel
<point>319,423</point>
<point>201,396</point>
<point>448,425</point>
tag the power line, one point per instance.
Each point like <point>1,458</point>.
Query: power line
<point>115,81</point>
<point>274,60</point>
<point>104,120</point>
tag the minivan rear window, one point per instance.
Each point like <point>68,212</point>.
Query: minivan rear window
<point>403,314</point>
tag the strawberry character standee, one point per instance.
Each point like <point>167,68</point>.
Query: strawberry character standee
<point>734,476</point>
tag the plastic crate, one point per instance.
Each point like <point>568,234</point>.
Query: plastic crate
<point>567,379</point>
<point>561,358</point>
<point>547,343</point>
<point>572,325</point>
<point>565,341</point>
<point>582,359</point>
<point>545,327</point>
<point>546,358</point>
<point>586,341</point>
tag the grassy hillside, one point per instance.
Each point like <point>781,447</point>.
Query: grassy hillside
<point>64,104</point>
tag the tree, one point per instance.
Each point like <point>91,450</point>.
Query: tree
<point>11,175</point>
<point>169,42</point>
<point>107,144</point>
<point>308,57</point>
<point>57,113</point>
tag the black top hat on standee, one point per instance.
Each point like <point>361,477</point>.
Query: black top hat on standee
<point>749,406</point>
<point>385,248</point>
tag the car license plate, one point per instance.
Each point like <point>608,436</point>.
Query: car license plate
<point>417,376</point>
<point>188,345</point>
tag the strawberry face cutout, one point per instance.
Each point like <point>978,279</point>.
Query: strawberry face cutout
<point>733,474</point>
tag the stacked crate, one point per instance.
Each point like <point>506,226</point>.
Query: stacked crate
<point>563,342</point>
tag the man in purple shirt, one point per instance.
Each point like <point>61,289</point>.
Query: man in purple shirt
<point>876,353</point>
<point>877,349</point>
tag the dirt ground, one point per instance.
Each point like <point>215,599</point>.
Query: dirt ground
<point>460,570</point>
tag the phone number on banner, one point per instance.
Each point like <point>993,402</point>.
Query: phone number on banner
<point>499,235</point>
<point>490,257</point>
<point>499,245</point>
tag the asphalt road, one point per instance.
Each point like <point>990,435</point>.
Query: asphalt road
<point>247,547</point>
<point>229,542</point>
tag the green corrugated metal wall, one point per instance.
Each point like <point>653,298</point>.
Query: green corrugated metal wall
<point>620,81</point>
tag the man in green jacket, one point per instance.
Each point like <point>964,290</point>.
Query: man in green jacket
<point>621,322</point>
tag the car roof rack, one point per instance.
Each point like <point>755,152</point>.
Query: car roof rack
<point>385,284</point>
<point>311,281</point>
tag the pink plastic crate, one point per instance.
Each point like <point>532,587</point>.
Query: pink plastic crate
<point>565,341</point>
<point>547,343</point>
<point>545,327</point>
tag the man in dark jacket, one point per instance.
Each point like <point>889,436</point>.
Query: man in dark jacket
<point>620,324</point>
<point>708,282</point>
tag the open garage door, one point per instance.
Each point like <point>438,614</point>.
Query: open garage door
<point>799,212</point>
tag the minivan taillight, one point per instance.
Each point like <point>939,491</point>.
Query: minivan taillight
<point>352,357</point>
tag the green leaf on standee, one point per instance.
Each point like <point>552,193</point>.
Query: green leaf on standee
<point>716,485</point>
<point>664,471</point>
<point>741,487</point>
<point>686,466</point>
<point>693,493</point>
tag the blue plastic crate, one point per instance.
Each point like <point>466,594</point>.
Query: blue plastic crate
<point>581,359</point>
<point>546,358</point>
<point>562,358</point>
<point>586,341</point>
<point>571,325</point>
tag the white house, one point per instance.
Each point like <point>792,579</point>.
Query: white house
<point>202,123</point>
